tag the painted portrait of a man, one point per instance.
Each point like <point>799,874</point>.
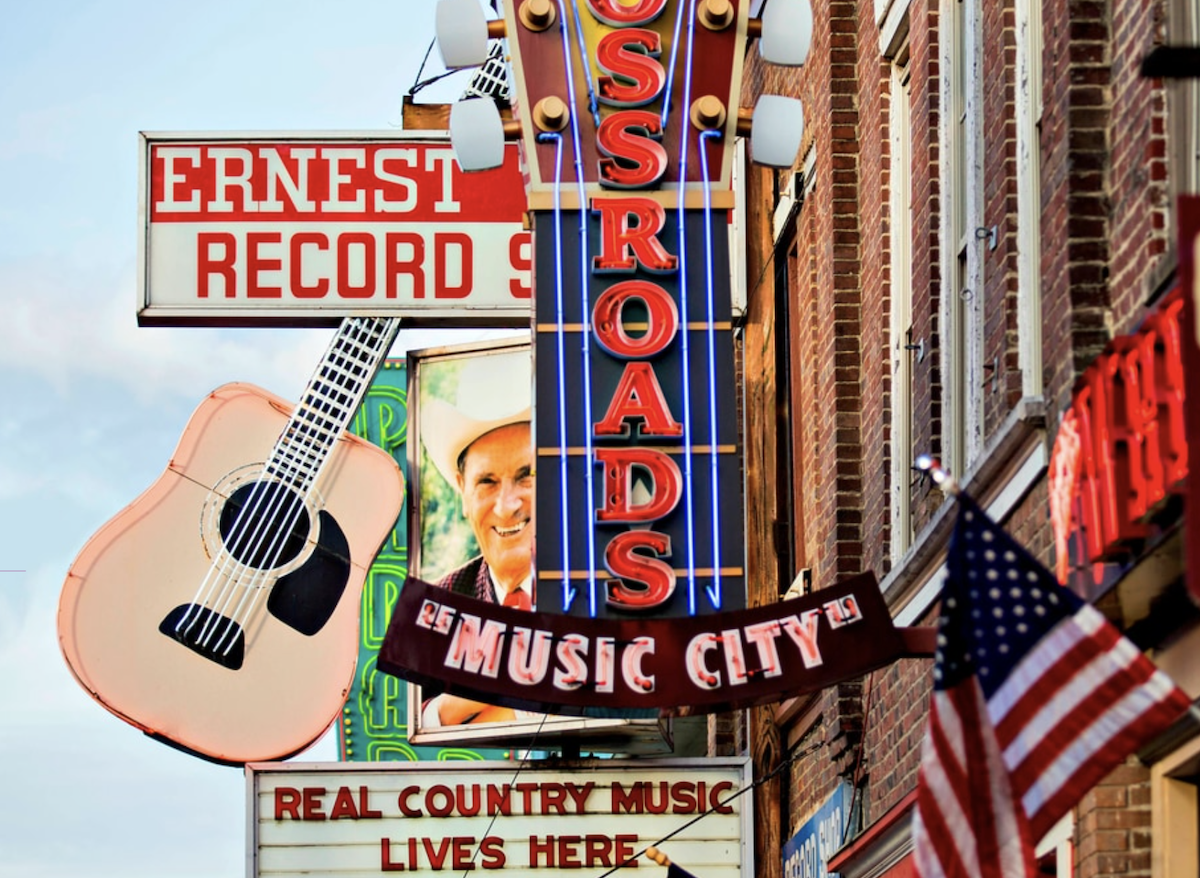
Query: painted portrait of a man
<point>477,495</point>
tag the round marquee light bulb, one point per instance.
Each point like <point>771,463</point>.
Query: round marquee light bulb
<point>551,114</point>
<point>715,14</point>
<point>477,134</point>
<point>537,15</point>
<point>707,112</point>
<point>777,128</point>
<point>461,32</point>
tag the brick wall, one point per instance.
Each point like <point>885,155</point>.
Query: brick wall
<point>1138,193</point>
<point>1104,244</point>
<point>874,258</point>
<point>1075,230</point>
<point>1000,175</point>
<point>926,253</point>
<point>1112,830</point>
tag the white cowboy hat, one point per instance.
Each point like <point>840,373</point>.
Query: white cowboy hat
<point>494,390</point>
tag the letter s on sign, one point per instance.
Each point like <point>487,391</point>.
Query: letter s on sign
<point>620,14</point>
<point>633,77</point>
<point>634,157</point>
<point>625,563</point>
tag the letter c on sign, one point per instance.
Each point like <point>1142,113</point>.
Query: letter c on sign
<point>694,661</point>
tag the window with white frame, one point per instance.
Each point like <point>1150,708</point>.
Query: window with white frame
<point>1029,194</point>
<point>1054,851</point>
<point>1183,104</point>
<point>1175,812</point>
<point>905,350</point>
<point>960,316</point>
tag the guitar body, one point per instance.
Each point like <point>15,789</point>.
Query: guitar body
<point>235,655</point>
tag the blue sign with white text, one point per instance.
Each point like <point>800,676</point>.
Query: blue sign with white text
<point>806,853</point>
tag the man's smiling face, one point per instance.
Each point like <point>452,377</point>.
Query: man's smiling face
<point>496,483</point>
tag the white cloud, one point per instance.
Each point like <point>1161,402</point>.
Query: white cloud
<point>59,327</point>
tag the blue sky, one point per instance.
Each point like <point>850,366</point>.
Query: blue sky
<point>93,405</point>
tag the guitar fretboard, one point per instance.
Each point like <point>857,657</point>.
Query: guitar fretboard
<point>330,400</point>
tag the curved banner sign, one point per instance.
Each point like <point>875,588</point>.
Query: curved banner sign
<point>570,665</point>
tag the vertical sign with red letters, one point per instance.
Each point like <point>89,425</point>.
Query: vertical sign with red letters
<point>1120,462</point>
<point>639,507</point>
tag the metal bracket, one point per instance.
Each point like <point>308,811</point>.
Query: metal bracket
<point>919,347</point>
<point>992,233</point>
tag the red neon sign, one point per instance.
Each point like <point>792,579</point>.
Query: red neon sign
<point>1122,446</point>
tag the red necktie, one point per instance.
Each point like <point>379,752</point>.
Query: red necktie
<point>518,598</point>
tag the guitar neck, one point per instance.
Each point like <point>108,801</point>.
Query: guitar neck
<point>330,400</point>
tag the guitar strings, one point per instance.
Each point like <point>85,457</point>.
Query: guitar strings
<point>689,503</point>
<point>308,421</point>
<point>585,318</point>
<point>287,449</point>
<point>371,344</point>
<point>715,589</point>
<point>568,596</point>
<point>287,463</point>
<point>378,337</point>
<point>240,539</point>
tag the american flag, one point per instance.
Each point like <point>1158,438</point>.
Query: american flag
<point>1036,697</point>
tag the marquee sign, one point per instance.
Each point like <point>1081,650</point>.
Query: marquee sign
<point>637,428</point>
<point>308,229</point>
<point>457,817</point>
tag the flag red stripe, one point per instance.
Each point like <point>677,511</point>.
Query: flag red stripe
<point>956,774</point>
<point>957,809</point>
<point>1061,671</point>
<point>932,793</point>
<point>951,792</point>
<point>984,823</point>
<point>942,842</point>
<point>1070,726</point>
<point>1146,727</point>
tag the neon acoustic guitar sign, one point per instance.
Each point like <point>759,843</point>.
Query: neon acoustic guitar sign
<point>640,503</point>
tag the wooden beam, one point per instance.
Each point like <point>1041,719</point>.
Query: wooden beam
<point>918,642</point>
<point>434,117</point>
<point>1172,62</point>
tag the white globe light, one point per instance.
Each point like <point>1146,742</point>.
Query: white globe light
<point>477,134</point>
<point>787,27</point>
<point>776,129</point>
<point>461,33</point>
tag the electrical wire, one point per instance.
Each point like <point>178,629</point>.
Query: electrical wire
<point>632,861</point>
<point>520,767</point>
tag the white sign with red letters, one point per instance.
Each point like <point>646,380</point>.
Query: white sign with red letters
<point>452,817</point>
<point>306,229</point>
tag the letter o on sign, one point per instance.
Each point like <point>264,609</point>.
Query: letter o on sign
<point>609,326</point>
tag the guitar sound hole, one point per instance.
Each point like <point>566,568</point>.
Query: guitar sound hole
<point>264,524</point>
